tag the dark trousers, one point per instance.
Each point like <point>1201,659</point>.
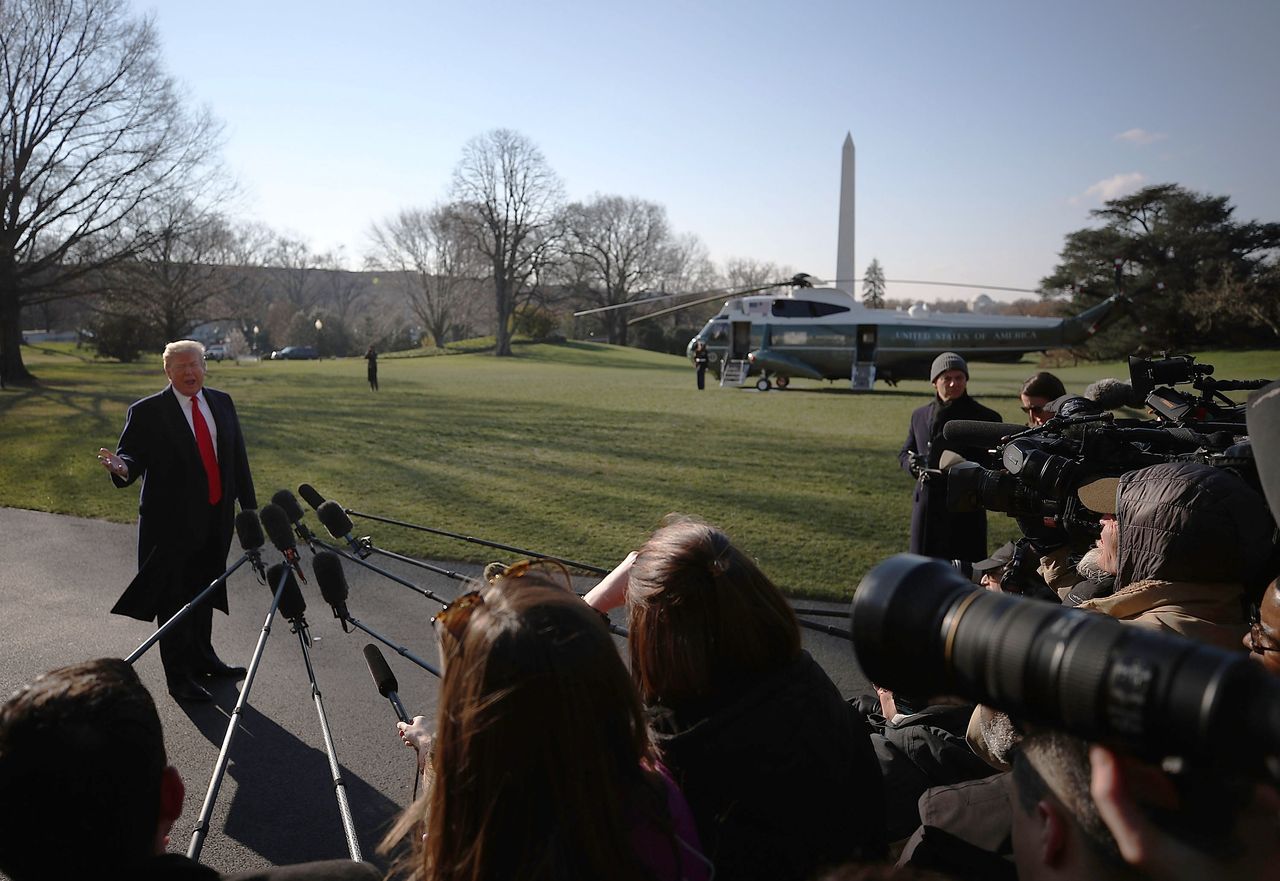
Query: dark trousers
<point>187,649</point>
<point>702,376</point>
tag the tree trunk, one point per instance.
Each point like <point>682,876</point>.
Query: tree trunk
<point>502,333</point>
<point>12,370</point>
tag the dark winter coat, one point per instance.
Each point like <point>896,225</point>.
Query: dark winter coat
<point>160,449</point>
<point>935,531</point>
<point>781,776</point>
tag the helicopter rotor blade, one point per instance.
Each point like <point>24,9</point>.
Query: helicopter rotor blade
<point>801,280</point>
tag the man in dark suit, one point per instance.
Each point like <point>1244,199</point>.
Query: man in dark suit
<point>186,445</point>
<point>935,531</point>
<point>88,791</point>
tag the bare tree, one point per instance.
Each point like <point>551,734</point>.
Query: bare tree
<point>622,250</point>
<point>509,201</point>
<point>743,272</point>
<point>175,282</point>
<point>93,134</point>
<point>296,262</point>
<point>435,263</point>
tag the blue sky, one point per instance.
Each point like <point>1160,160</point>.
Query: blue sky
<point>985,131</point>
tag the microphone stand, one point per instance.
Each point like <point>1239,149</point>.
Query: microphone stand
<point>480,541</point>
<point>399,649</point>
<point>151,640</point>
<point>339,786</point>
<point>220,767</point>
<point>346,555</point>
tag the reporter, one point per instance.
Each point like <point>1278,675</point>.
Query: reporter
<point>778,769</point>
<point>541,766</point>
<point>1038,390</point>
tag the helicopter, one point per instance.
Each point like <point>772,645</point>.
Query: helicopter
<point>823,333</point>
<point>794,328</point>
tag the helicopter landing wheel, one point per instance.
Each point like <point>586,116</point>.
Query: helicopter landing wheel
<point>763,384</point>
<point>782,381</point>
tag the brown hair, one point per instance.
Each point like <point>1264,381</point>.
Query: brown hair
<point>539,744</point>
<point>1043,385</point>
<point>703,617</point>
<point>81,757</point>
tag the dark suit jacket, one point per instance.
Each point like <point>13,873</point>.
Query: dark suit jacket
<point>160,448</point>
<point>935,531</point>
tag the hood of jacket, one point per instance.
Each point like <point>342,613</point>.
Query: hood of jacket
<point>1186,521</point>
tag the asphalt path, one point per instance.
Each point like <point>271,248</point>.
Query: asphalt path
<point>59,577</point>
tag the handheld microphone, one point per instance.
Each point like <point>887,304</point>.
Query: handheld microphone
<point>286,501</point>
<point>308,492</point>
<point>292,605</point>
<point>384,679</point>
<point>249,532</point>
<point>276,523</point>
<point>339,525</point>
<point>974,433</point>
<point>327,567</point>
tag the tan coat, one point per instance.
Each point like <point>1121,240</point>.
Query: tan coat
<point>1208,613</point>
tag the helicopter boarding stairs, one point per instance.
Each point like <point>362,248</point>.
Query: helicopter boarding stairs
<point>734,372</point>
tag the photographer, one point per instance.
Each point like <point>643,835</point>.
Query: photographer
<point>1184,541</point>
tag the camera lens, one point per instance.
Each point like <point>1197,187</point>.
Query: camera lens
<point>920,627</point>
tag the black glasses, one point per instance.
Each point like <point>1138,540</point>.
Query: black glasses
<point>1259,642</point>
<point>1034,408</point>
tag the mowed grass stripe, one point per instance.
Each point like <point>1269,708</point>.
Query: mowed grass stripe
<point>575,450</point>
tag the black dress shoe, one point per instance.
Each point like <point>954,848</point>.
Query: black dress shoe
<point>218,668</point>
<point>189,690</point>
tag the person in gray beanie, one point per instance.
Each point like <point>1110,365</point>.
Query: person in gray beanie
<point>935,531</point>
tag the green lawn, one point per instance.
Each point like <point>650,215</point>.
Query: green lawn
<point>575,450</point>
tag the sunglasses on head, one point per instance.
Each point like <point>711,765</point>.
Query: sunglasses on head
<point>455,616</point>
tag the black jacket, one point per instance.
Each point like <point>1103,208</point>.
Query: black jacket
<point>935,531</point>
<point>780,775</point>
<point>160,448</point>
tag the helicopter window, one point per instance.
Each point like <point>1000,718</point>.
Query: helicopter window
<point>828,308</point>
<point>805,308</point>
<point>719,330</point>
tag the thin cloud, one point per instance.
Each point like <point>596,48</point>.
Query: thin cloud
<point>1111,188</point>
<point>1140,137</point>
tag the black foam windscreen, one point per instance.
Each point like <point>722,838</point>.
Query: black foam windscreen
<point>313,498</point>
<point>276,523</point>
<point>382,675</point>
<point>292,605</point>
<point>288,503</point>
<point>249,530</point>
<point>333,583</point>
<point>334,519</point>
<point>973,433</point>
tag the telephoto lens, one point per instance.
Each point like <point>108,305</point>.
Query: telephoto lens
<point>920,627</point>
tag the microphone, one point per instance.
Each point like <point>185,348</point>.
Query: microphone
<point>276,523</point>
<point>327,567</point>
<point>339,525</point>
<point>292,605</point>
<point>308,492</point>
<point>973,433</point>
<point>249,531</point>
<point>286,501</point>
<point>384,679</point>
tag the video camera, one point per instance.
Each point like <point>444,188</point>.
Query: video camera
<point>921,628</point>
<point>1044,467</point>
<point>1210,409</point>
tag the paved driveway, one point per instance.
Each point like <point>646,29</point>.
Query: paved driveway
<point>59,576</point>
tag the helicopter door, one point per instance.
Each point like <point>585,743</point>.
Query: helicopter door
<point>741,342</point>
<point>863,375</point>
<point>866,343</point>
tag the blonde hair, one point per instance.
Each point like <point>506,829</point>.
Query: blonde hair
<point>179,347</point>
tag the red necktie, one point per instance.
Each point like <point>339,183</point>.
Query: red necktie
<point>205,442</point>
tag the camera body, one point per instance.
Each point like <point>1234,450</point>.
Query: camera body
<point>1044,467</point>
